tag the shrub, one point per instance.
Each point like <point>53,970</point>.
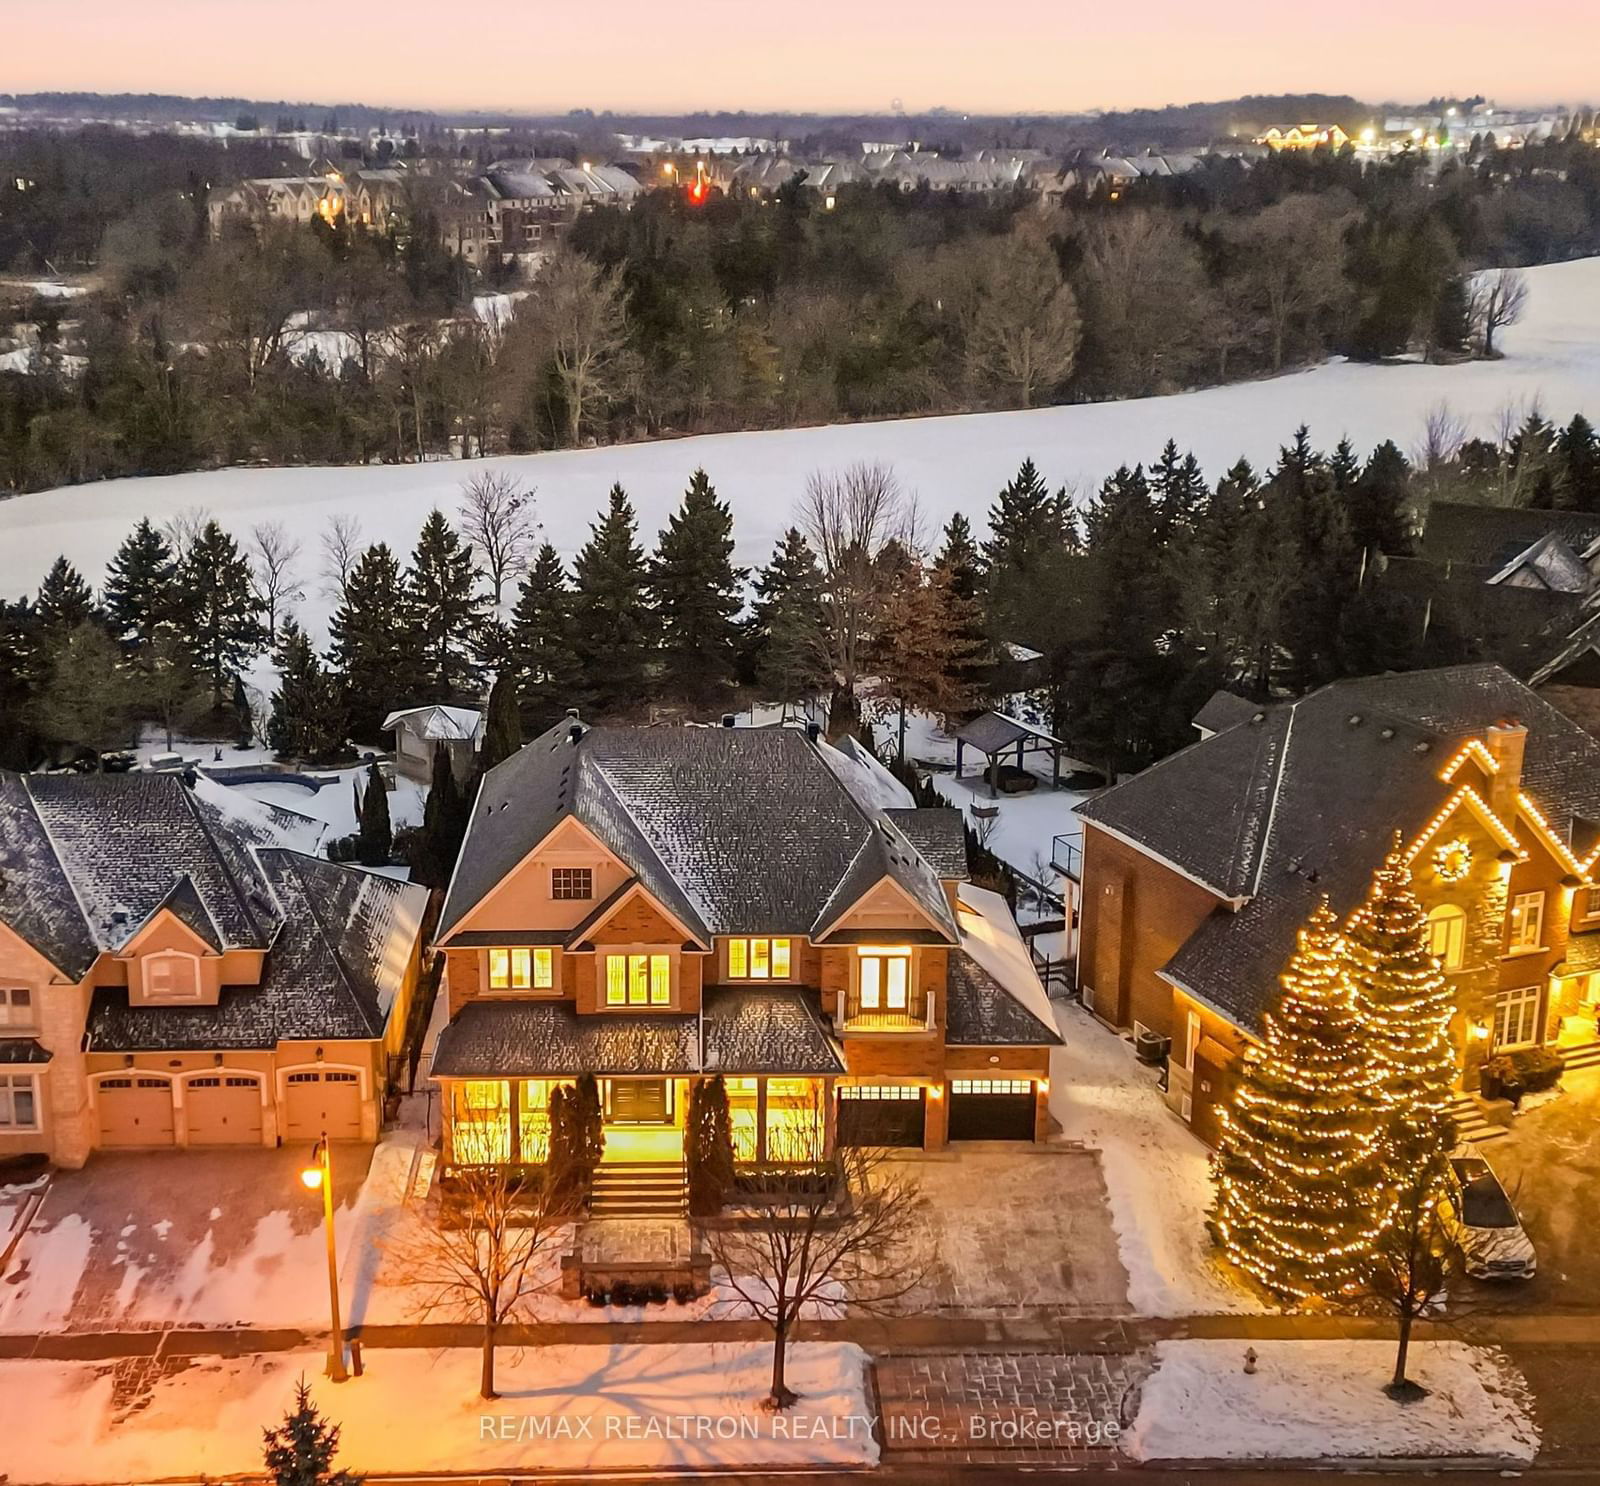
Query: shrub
<point>708,1148</point>
<point>1528,1070</point>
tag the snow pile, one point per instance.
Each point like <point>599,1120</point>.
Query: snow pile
<point>675,1409</point>
<point>1157,1175</point>
<point>1324,1400</point>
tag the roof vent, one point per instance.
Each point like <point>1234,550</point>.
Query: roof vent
<point>1355,719</point>
<point>574,733</point>
<point>119,915</point>
<point>572,712</point>
<point>1421,747</point>
<point>728,719</point>
<point>1386,733</point>
<point>813,731</point>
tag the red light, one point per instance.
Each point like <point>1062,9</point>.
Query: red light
<point>697,192</point>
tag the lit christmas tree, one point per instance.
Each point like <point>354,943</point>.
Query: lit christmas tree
<point>1299,1187</point>
<point>1405,1001</point>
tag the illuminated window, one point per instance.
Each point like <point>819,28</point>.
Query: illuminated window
<point>480,1133</point>
<point>1447,935</point>
<point>638,980</point>
<point>885,979</point>
<point>759,959</point>
<point>1516,1017</point>
<point>572,884</point>
<point>521,969</point>
<point>1527,922</point>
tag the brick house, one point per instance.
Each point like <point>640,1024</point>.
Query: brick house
<point>170,976</point>
<point>657,905</point>
<point>1197,872</point>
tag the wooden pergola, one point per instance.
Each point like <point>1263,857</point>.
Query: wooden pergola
<point>997,735</point>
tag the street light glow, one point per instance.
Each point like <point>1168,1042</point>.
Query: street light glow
<point>312,1177</point>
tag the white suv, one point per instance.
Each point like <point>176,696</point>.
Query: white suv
<point>1485,1225</point>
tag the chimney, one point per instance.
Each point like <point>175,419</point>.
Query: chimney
<point>574,733</point>
<point>1506,741</point>
<point>813,731</point>
<point>728,719</point>
<point>572,712</point>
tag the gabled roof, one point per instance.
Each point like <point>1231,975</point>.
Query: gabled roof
<point>940,837</point>
<point>731,830</point>
<point>438,723</point>
<point>185,904</point>
<point>993,732</point>
<point>1489,538</point>
<point>1223,709</point>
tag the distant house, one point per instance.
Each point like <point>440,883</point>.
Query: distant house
<point>419,731</point>
<point>1305,137</point>
<point>170,975</point>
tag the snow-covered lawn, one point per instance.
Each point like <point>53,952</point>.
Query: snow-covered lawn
<point>952,463</point>
<point>673,1409</point>
<point>1323,1400</point>
<point>1157,1174</point>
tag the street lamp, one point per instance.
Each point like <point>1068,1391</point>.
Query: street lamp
<point>320,1174</point>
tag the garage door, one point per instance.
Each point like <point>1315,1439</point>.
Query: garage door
<point>991,1109</point>
<point>326,1102</point>
<point>881,1114</point>
<point>135,1112</point>
<point>223,1109</point>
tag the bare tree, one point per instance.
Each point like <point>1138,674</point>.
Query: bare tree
<point>1498,299</point>
<point>1294,266</point>
<point>497,516</point>
<point>827,1230</point>
<point>1022,325</point>
<point>579,309</point>
<point>275,553</point>
<point>184,528</point>
<point>341,548</point>
<point>849,517</point>
<point>1443,434</point>
<point>480,1255</point>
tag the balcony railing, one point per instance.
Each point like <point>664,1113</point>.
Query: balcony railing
<point>1066,856</point>
<point>917,1017</point>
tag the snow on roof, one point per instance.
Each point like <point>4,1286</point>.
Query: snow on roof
<point>990,936</point>
<point>437,723</point>
<point>873,786</point>
<point>260,823</point>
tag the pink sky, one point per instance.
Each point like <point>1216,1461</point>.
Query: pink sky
<point>1024,56</point>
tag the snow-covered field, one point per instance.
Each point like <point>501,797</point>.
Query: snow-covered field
<point>1157,1175</point>
<point>647,1408</point>
<point>953,463</point>
<point>1323,1400</point>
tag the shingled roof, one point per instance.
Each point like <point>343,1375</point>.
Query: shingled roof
<point>1488,538</point>
<point>1273,814</point>
<point>940,837</point>
<point>732,830</point>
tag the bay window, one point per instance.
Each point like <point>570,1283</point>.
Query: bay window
<point>638,980</point>
<point>521,969</point>
<point>760,959</point>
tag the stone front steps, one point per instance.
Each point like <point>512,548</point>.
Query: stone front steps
<point>639,1190</point>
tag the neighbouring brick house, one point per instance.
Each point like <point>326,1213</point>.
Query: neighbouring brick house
<point>171,976</point>
<point>659,905</point>
<point>1198,872</point>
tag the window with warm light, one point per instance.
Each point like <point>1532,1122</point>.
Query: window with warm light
<point>1516,1017</point>
<point>638,980</point>
<point>884,979</point>
<point>760,959</point>
<point>1527,923</point>
<point>521,969</point>
<point>1447,935</point>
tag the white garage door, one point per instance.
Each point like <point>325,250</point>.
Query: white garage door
<point>324,1102</point>
<point>224,1109</point>
<point>135,1111</point>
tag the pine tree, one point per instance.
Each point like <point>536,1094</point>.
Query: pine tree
<point>611,615</point>
<point>445,814</point>
<point>1179,490</point>
<point>64,601</point>
<point>696,592</point>
<point>1299,1190</point>
<point>959,554</point>
<point>1028,526</point>
<point>541,649</point>
<point>1379,504</point>
<point>502,728</point>
<point>141,586</point>
<point>372,650</point>
<point>1577,460</point>
<point>87,702</point>
<point>1450,331</point>
<point>375,836</point>
<point>300,1451</point>
<point>24,668</point>
<point>444,611</point>
<point>1405,1003</point>
<point>784,637</point>
<point>307,718</point>
<point>217,615</point>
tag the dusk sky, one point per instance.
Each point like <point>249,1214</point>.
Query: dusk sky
<point>1029,55</point>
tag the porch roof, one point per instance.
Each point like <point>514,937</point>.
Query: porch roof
<point>16,1050</point>
<point>508,1039</point>
<point>766,1031</point>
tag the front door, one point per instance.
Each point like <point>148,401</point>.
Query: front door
<point>638,1101</point>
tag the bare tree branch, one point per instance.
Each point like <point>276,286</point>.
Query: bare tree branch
<point>497,515</point>
<point>275,553</point>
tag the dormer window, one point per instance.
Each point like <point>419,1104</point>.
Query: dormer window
<point>171,976</point>
<point>572,884</point>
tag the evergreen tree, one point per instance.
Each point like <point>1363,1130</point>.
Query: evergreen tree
<point>445,815</point>
<point>542,650</point>
<point>959,555</point>
<point>1028,526</point>
<point>141,586</point>
<point>1405,1003</point>
<point>1299,1190</point>
<point>502,727</point>
<point>1179,490</point>
<point>962,566</point>
<point>611,614</point>
<point>87,703</point>
<point>300,1451</point>
<point>217,615</point>
<point>1378,505</point>
<point>64,601</point>
<point>444,611</point>
<point>1450,333</point>
<point>784,637</point>
<point>375,837</point>
<point>372,649</point>
<point>1577,466</point>
<point>307,718</point>
<point>696,592</point>
<point>708,1147</point>
<point>1325,565</point>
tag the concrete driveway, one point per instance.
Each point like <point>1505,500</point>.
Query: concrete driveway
<point>1013,1229</point>
<point>1550,1164</point>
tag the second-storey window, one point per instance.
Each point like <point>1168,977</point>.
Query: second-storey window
<point>1447,935</point>
<point>521,969</point>
<point>885,979</point>
<point>16,1007</point>
<point>1527,922</point>
<point>759,959</point>
<point>572,884</point>
<point>638,980</point>
<point>172,976</point>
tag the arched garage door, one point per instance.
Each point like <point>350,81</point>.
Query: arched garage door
<point>135,1111</point>
<point>223,1109</point>
<point>322,1101</point>
<point>991,1109</point>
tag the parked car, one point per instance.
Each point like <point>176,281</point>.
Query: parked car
<point>1484,1224</point>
